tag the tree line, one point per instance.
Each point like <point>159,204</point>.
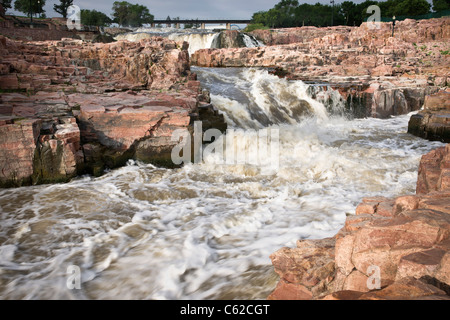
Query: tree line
<point>123,13</point>
<point>285,14</point>
<point>290,13</point>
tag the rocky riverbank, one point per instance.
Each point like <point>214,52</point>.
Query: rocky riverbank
<point>432,122</point>
<point>71,107</point>
<point>390,249</point>
<point>377,74</point>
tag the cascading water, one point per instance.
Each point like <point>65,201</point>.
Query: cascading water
<point>251,42</point>
<point>206,230</point>
<point>252,98</point>
<point>197,39</point>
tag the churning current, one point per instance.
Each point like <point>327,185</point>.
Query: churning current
<point>206,231</point>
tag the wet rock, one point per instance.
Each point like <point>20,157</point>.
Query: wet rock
<point>391,249</point>
<point>70,107</point>
<point>229,39</point>
<point>433,175</point>
<point>18,139</point>
<point>305,271</point>
<point>377,75</point>
<point>433,122</point>
<point>408,288</point>
<point>58,156</point>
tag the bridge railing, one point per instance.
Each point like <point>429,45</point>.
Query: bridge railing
<point>202,22</point>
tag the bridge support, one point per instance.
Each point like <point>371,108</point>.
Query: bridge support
<point>203,22</point>
<point>177,26</point>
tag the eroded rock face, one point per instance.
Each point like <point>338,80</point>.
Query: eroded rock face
<point>154,63</point>
<point>228,39</point>
<point>304,271</point>
<point>433,121</point>
<point>407,30</point>
<point>406,240</point>
<point>377,74</point>
<point>70,107</point>
<point>18,141</point>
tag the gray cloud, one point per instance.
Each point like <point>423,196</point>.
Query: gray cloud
<point>189,9</point>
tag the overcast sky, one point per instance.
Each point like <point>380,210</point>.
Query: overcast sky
<point>188,9</point>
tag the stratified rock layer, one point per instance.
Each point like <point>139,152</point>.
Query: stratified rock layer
<point>377,74</point>
<point>432,122</point>
<point>390,249</point>
<point>69,107</point>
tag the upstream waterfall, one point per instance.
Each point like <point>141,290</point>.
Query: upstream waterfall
<point>206,230</point>
<point>197,39</point>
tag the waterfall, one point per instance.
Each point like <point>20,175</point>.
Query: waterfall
<point>251,41</point>
<point>253,98</point>
<point>197,39</point>
<point>206,231</point>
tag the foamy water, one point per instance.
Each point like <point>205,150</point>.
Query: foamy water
<point>206,231</point>
<point>197,38</point>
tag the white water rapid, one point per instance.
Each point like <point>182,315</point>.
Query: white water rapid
<point>206,231</point>
<point>197,38</point>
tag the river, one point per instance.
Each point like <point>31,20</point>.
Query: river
<point>197,38</point>
<point>206,231</point>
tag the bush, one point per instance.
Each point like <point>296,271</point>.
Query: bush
<point>255,26</point>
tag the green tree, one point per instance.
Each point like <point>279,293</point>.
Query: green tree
<point>289,13</point>
<point>35,7</point>
<point>361,14</point>
<point>259,18</point>
<point>62,7</point>
<point>413,7</point>
<point>286,13</point>
<point>273,17</point>
<point>6,4</point>
<point>139,15</point>
<point>94,18</point>
<point>391,8</point>
<point>255,26</point>
<point>132,15</point>
<point>440,5</point>
<point>348,10</point>
<point>120,12</point>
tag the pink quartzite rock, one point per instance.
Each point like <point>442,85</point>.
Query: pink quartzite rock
<point>18,140</point>
<point>307,267</point>
<point>74,107</point>
<point>433,122</point>
<point>377,74</point>
<point>432,171</point>
<point>406,239</point>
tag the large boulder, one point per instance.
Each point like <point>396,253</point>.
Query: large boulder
<point>70,107</point>
<point>390,249</point>
<point>402,70</point>
<point>432,122</point>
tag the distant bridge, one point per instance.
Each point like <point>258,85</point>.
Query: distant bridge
<point>202,22</point>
